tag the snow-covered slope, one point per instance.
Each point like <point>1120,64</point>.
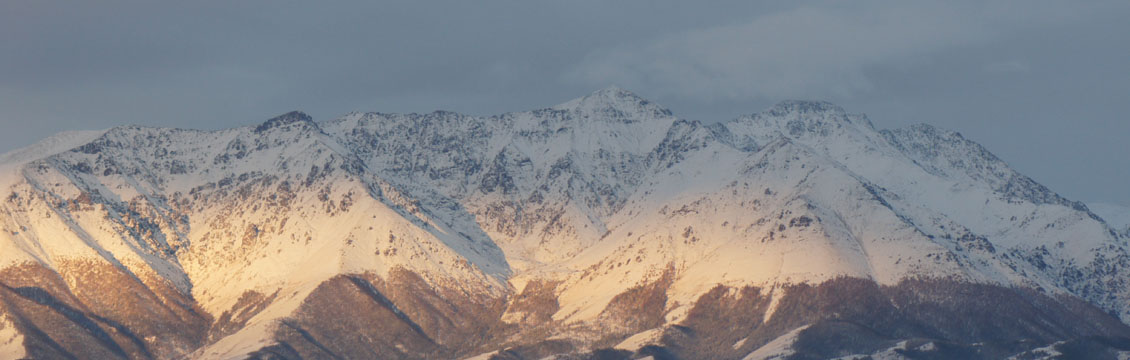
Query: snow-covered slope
<point>274,209</point>
<point>564,229</point>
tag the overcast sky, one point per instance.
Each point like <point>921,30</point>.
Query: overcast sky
<point>1043,84</point>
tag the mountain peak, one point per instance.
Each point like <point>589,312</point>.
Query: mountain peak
<point>283,120</point>
<point>613,91</point>
<point>614,100</point>
<point>805,107</point>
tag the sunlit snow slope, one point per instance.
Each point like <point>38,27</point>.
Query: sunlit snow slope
<point>567,230</point>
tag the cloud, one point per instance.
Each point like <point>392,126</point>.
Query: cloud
<point>1008,67</point>
<point>811,51</point>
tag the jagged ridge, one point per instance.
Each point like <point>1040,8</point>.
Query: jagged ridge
<point>603,222</point>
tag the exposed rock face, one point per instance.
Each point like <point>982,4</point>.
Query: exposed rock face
<point>602,228</point>
<point>106,312</point>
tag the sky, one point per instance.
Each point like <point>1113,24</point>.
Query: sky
<point>1045,85</point>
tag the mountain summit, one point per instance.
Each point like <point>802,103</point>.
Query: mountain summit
<point>604,227</point>
<point>283,120</point>
<point>614,103</point>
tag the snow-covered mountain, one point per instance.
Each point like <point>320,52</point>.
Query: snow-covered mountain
<point>604,227</point>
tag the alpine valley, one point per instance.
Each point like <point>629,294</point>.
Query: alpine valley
<point>605,227</point>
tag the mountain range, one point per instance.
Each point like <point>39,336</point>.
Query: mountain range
<point>604,227</point>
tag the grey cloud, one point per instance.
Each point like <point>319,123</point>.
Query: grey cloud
<point>1008,67</point>
<point>820,51</point>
